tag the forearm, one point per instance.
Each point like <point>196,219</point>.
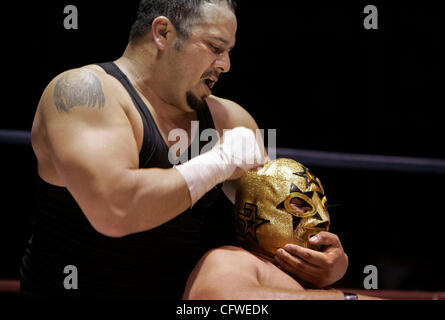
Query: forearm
<point>136,200</point>
<point>155,197</point>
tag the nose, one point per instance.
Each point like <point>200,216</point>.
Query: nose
<point>222,63</point>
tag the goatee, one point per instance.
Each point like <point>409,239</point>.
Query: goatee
<point>194,102</point>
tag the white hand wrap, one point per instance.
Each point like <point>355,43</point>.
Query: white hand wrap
<point>238,150</point>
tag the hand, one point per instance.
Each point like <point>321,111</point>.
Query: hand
<point>240,149</point>
<point>238,174</point>
<point>315,268</point>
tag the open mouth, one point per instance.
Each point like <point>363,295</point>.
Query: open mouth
<point>210,82</point>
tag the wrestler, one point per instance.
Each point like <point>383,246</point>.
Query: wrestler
<point>279,204</point>
<point>108,199</point>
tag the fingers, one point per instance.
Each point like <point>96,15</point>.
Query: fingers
<point>294,265</point>
<point>311,256</point>
<point>241,148</point>
<point>306,273</point>
<point>318,268</point>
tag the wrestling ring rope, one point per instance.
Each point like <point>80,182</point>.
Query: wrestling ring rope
<point>310,157</point>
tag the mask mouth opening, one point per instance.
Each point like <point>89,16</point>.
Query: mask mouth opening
<point>316,228</point>
<point>323,225</point>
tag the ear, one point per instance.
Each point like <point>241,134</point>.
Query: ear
<point>163,32</point>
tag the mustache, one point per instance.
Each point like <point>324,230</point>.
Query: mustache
<point>210,73</point>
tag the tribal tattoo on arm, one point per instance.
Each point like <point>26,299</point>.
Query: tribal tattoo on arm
<point>78,88</point>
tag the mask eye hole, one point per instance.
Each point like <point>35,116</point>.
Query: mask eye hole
<point>299,205</point>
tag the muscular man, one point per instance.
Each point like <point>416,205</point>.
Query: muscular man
<point>279,204</point>
<point>109,201</point>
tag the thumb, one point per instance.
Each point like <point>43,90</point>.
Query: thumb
<point>325,238</point>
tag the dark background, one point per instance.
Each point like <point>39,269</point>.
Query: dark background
<point>308,69</point>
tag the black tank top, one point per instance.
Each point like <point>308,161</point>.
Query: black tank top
<point>154,264</point>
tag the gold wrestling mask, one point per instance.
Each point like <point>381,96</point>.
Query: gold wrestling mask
<point>280,203</point>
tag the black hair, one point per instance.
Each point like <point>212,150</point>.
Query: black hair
<point>182,14</point>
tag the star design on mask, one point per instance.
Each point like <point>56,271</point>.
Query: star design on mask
<point>249,222</point>
<point>307,175</point>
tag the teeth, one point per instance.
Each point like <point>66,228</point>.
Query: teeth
<point>209,82</point>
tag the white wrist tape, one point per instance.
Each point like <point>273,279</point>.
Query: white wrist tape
<point>239,150</point>
<point>204,172</point>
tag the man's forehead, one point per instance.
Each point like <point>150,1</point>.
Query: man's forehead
<point>218,9</point>
<point>219,23</point>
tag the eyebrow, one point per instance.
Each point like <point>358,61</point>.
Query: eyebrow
<point>223,41</point>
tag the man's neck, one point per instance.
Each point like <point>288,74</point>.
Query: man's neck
<point>141,74</point>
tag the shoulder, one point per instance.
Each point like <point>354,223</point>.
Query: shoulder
<point>228,114</point>
<point>222,272</point>
<point>89,85</point>
<point>227,252</point>
<point>89,76</point>
<point>229,259</point>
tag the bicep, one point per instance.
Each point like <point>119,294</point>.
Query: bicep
<point>89,132</point>
<point>91,145</point>
<point>83,151</point>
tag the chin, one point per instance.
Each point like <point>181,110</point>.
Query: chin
<point>195,102</point>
